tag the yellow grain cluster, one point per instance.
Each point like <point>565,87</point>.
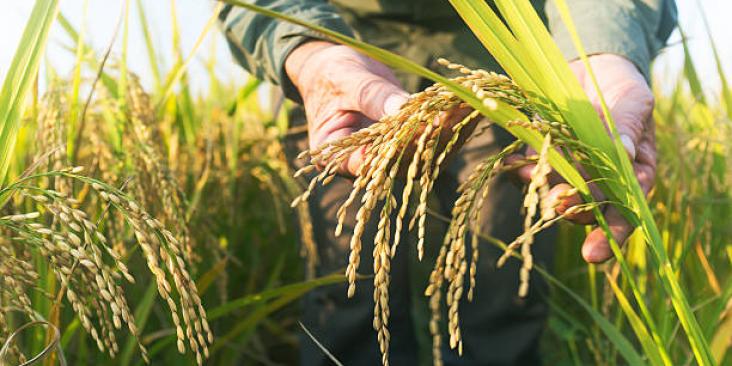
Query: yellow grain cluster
<point>412,146</point>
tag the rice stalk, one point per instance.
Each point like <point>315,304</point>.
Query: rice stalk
<point>91,271</point>
<point>417,132</point>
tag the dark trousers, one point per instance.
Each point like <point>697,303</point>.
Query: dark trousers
<point>498,327</point>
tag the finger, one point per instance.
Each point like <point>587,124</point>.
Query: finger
<point>523,171</point>
<point>450,119</point>
<point>628,97</point>
<point>629,145</point>
<point>353,164</point>
<point>340,125</point>
<point>629,123</point>
<point>596,248</point>
<point>376,97</point>
<point>563,197</point>
<point>631,112</point>
<point>645,164</point>
<point>454,116</point>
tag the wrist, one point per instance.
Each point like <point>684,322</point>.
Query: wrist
<point>297,60</point>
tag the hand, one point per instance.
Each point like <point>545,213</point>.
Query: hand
<point>342,91</point>
<point>630,101</point>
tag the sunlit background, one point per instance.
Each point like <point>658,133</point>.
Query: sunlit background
<point>102,15</point>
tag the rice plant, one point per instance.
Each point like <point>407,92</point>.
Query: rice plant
<point>386,143</point>
<point>138,221</point>
<point>88,269</point>
<point>209,172</point>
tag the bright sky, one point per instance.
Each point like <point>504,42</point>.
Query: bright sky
<point>102,16</point>
<point>193,14</point>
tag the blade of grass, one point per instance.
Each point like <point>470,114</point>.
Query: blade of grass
<point>657,355</point>
<point>707,268</point>
<point>100,75</point>
<point>19,78</point>
<point>721,340</point>
<point>690,70</point>
<point>498,40</point>
<point>208,278</point>
<point>142,313</point>
<point>180,68</point>
<point>564,90</point>
<point>320,345</point>
<point>273,293</point>
<point>152,56</point>
<point>614,335</point>
<point>560,86</point>
<point>282,296</point>
<point>76,85</point>
<point>122,80</point>
<point>109,82</point>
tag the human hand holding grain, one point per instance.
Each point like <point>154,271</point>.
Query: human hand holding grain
<point>630,101</point>
<point>344,91</point>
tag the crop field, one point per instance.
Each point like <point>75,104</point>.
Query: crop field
<point>157,224</point>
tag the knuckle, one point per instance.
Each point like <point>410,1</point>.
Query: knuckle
<point>365,89</point>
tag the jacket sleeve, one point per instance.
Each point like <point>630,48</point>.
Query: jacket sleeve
<point>261,44</point>
<point>635,29</point>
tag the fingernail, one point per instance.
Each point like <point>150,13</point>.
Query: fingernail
<point>629,145</point>
<point>393,103</point>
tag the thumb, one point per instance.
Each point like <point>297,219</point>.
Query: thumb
<point>631,110</point>
<point>629,145</point>
<point>376,97</point>
<point>630,118</point>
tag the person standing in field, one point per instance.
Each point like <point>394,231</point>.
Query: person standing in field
<point>342,91</point>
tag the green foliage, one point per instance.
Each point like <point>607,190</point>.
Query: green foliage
<point>20,76</point>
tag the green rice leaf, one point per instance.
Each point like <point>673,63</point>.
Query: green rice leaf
<point>151,53</point>
<point>623,345</point>
<point>19,78</point>
<point>657,354</point>
<point>690,71</point>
